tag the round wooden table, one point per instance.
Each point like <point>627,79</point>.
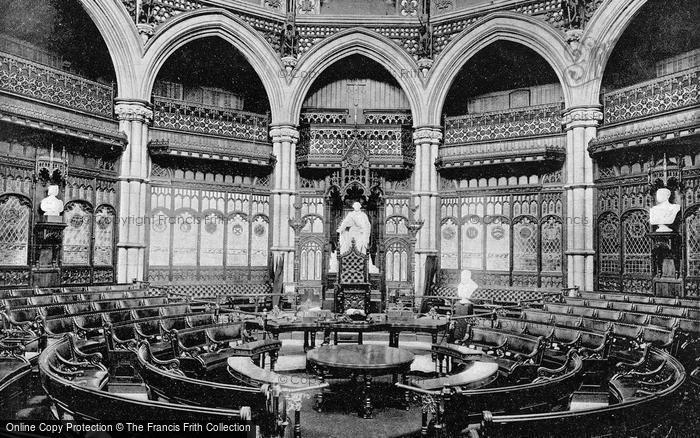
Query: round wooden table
<point>359,360</point>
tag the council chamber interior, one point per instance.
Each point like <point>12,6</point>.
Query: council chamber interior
<point>328,218</point>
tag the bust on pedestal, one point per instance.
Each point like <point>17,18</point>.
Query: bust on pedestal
<point>465,290</point>
<point>48,238</point>
<point>663,213</point>
<point>666,248</point>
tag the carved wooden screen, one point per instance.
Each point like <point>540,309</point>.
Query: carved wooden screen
<point>208,228</point>
<point>505,237</point>
<point>636,250</point>
<point>15,214</point>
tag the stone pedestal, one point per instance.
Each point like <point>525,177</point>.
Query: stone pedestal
<point>48,238</point>
<point>666,264</point>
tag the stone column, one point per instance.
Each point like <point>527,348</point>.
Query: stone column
<point>134,117</point>
<point>284,180</point>
<point>425,197</point>
<point>581,125</point>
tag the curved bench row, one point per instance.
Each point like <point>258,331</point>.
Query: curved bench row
<point>454,408</point>
<point>627,417</point>
<point>76,387</point>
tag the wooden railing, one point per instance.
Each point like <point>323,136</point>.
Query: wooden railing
<point>37,81</point>
<point>654,97</point>
<point>197,118</point>
<point>531,121</point>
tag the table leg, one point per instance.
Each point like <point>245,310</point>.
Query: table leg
<point>406,394</point>
<point>326,336</point>
<point>318,406</point>
<point>275,336</point>
<point>306,340</point>
<point>367,407</point>
<point>359,338</point>
<point>434,339</point>
<point>335,338</point>
<point>313,340</point>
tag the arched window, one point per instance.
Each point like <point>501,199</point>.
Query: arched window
<point>237,246</point>
<point>397,262</point>
<point>259,245</point>
<point>14,230</point>
<point>448,244</point>
<point>310,262</point>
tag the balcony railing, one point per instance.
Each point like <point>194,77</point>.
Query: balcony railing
<point>323,145</point>
<point>653,97</point>
<point>196,118</point>
<point>529,121</point>
<point>30,79</point>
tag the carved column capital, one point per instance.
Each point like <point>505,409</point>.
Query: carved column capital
<point>427,134</point>
<point>575,117</point>
<point>133,110</point>
<point>284,133</point>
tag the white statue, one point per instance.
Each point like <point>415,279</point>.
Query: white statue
<point>356,226</point>
<point>51,205</point>
<point>466,286</point>
<point>333,262</point>
<point>663,213</point>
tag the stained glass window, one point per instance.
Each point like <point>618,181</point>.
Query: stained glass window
<point>552,245</point>
<point>14,230</point>
<point>76,236</point>
<point>103,247</point>
<point>525,245</point>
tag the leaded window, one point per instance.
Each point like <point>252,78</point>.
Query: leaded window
<point>397,262</point>
<point>525,244</point>
<point>692,224</point>
<point>14,230</point>
<point>552,244</point>
<point>311,261</point>
<point>609,243</point>
<point>636,246</point>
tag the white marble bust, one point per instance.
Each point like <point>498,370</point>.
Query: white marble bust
<point>51,205</point>
<point>663,213</point>
<point>466,286</point>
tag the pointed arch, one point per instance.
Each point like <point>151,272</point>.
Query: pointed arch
<point>198,24</point>
<point>502,26</point>
<point>355,41</point>
<point>123,41</point>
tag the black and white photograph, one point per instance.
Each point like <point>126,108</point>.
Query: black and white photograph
<point>350,218</point>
